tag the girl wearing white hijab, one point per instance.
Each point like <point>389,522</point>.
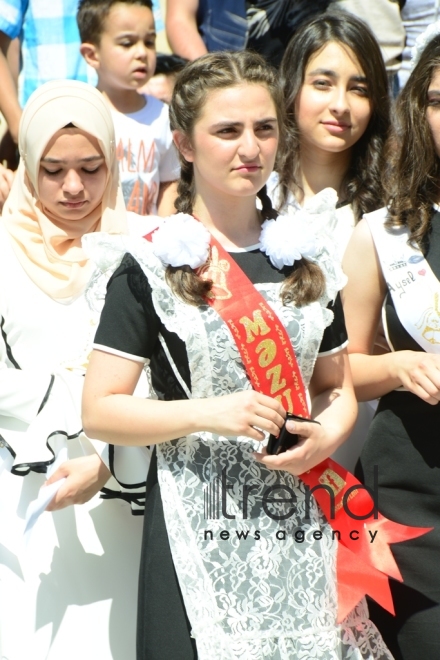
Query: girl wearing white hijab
<point>69,591</point>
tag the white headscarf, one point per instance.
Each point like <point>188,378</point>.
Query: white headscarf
<point>49,247</point>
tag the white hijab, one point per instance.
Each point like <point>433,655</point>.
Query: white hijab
<point>49,247</point>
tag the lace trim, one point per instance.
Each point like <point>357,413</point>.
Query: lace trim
<point>245,595</point>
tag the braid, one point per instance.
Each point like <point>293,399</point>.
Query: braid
<point>185,189</point>
<point>186,284</point>
<point>307,282</point>
<point>183,280</point>
<point>210,73</point>
<point>304,285</point>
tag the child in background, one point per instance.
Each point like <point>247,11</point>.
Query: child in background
<point>118,41</point>
<point>161,85</point>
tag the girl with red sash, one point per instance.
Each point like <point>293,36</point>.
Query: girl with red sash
<point>336,96</point>
<point>230,306</point>
<point>393,268</point>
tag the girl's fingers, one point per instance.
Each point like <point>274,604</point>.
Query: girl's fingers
<point>303,429</point>
<point>271,404</point>
<point>423,386</point>
<point>255,434</point>
<point>57,475</point>
<point>270,424</point>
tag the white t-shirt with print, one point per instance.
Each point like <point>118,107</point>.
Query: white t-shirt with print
<point>146,154</point>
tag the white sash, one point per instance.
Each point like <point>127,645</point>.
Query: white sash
<point>413,286</point>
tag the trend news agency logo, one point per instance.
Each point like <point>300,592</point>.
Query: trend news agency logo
<point>215,504</point>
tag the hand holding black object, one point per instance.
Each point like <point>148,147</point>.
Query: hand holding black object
<point>285,440</point>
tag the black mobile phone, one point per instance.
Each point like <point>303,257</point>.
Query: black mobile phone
<point>285,440</point>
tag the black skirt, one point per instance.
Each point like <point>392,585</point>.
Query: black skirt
<point>163,629</point>
<point>404,444</point>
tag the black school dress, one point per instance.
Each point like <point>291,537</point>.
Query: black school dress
<point>136,323</point>
<point>404,444</point>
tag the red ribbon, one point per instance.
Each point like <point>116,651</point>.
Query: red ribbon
<point>363,567</point>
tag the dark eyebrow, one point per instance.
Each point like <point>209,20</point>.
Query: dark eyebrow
<point>333,74</point>
<point>88,159</point>
<point>225,124</point>
<point>433,91</point>
<point>266,120</point>
<point>323,72</point>
<point>360,79</point>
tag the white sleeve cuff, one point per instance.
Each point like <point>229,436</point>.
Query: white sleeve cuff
<point>102,449</point>
<point>127,356</point>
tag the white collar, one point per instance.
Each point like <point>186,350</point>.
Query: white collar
<point>182,240</point>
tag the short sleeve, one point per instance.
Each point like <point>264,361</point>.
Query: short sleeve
<point>169,166</point>
<point>12,16</point>
<point>335,336</point>
<point>129,325</point>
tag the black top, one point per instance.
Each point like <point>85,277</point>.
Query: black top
<point>130,324</point>
<point>272,23</point>
<point>401,461</point>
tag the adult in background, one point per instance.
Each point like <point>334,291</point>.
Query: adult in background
<point>384,19</point>
<point>417,16</point>
<point>195,27</point>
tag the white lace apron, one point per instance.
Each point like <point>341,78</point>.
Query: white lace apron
<point>252,588</point>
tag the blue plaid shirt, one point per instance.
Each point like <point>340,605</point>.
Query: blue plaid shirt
<point>49,41</point>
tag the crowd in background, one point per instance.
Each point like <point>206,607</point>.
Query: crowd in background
<point>39,41</point>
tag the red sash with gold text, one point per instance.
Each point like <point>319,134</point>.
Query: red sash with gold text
<point>363,566</point>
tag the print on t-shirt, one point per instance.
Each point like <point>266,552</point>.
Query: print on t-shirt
<point>146,155</point>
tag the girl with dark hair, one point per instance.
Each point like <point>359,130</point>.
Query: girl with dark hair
<point>393,262</point>
<point>336,97</point>
<point>216,579</point>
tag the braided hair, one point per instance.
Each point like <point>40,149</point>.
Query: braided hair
<point>211,72</point>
